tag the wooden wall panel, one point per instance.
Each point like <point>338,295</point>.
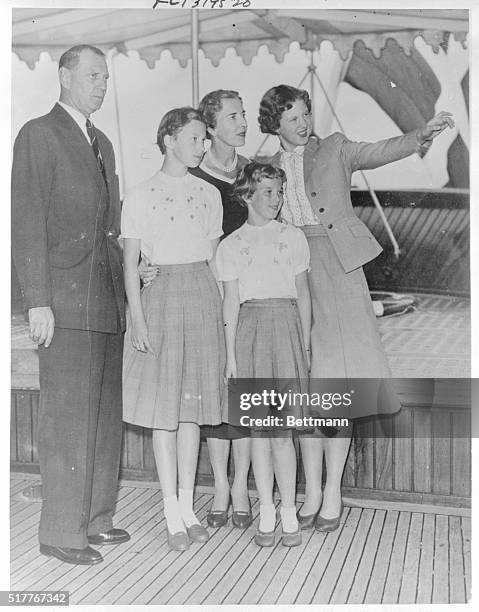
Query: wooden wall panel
<point>422,449</point>
<point>441,453</point>
<point>461,457</point>
<point>13,427</point>
<point>402,452</point>
<point>430,462</point>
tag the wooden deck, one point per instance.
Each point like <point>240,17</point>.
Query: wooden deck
<point>390,553</point>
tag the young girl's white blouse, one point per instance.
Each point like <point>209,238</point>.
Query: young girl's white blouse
<point>265,260</point>
<point>174,217</point>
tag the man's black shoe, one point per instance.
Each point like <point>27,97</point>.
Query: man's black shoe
<point>85,556</point>
<point>113,536</point>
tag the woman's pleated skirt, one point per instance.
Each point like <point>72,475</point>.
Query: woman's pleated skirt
<point>184,380</point>
<point>345,340</point>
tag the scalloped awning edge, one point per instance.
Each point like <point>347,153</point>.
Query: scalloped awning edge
<point>248,49</point>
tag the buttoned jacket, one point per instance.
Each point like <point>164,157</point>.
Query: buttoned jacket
<point>328,165</point>
<point>65,224</point>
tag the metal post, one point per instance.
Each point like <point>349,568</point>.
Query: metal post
<point>312,72</point>
<point>195,43</point>
<point>121,172</point>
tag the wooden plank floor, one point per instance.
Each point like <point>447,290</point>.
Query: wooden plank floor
<point>376,556</point>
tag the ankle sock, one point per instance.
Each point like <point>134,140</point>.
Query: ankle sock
<point>267,517</point>
<point>173,518</point>
<point>185,501</point>
<point>289,522</point>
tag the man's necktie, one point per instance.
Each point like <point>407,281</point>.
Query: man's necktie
<point>94,145</point>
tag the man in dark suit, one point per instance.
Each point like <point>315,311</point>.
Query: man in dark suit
<point>65,223</point>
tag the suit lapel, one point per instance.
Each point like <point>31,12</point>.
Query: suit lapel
<point>310,158</point>
<point>78,141</point>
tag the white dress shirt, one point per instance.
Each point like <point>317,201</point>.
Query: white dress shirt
<point>78,117</point>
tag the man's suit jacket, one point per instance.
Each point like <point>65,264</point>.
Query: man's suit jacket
<point>328,165</point>
<point>65,224</point>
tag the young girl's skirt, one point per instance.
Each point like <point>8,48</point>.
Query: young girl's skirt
<point>184,380</point>
<point>345,341</point>
<point>269,345</point>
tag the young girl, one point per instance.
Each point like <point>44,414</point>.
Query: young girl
<point>174,350</point>
<point>267,314</point>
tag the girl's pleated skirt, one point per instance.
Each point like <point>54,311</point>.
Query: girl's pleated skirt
<point>269,345</point>
<point>345,341</point>
<point>184,380</point>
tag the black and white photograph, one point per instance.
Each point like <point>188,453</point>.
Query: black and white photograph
<point>242,259</point>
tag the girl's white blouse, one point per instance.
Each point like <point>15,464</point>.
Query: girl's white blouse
<point>265,260</point>
<point>174,217</point>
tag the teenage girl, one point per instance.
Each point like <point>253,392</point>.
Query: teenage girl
<point>173,370</point>
<point>226,127</point>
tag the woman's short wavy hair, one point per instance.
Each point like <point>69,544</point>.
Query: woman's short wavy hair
<point>212,103</point>
<point>273,104</point>
<point>172,122</point>
<point>250,176</point>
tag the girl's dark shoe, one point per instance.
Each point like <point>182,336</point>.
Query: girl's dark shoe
<point>242,519</point>
<point>178,541</point>
<point>307,521</point>
<point>291,538</point>
<point>327,525</point>
<point>264,538</point>
<point>197,533</point>
<point>218,518</point>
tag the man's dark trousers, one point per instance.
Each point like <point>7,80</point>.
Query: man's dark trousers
<point>79,434</point>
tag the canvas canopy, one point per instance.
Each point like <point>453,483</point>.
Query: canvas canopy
<point>376,50</point>
<point>150,31</point>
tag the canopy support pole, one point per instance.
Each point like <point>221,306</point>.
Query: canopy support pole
<point>312,72</point>
<point>195,44</point>
<point>121,172</point>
